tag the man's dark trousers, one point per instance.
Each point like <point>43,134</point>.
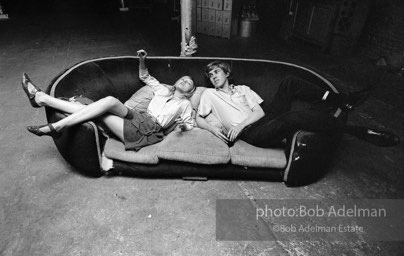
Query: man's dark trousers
<point>281,122</point>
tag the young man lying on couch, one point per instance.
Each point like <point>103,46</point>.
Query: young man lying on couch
<point>238,109</point>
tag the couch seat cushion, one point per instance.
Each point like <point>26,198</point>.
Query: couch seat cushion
<point>115,149</point>
<point>245,154</point>
<point>195,146</point>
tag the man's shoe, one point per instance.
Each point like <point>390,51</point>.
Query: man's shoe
<point>378,138</point>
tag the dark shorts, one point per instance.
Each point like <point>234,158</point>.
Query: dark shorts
<point>140,130</point>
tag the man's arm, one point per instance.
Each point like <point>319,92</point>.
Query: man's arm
<point>202,123</point>
<point>204,109</point>
<point>256,114</point>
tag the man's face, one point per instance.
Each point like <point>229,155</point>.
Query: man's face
<point>218,77</point>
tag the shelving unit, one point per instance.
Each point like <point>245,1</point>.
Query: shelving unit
<point>214,17</point>
<point>334,25</point>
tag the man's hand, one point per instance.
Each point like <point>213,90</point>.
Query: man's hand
<point>234,132</point>
<point>218,133</point>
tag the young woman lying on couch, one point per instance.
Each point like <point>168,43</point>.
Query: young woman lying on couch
<point>136,129</point>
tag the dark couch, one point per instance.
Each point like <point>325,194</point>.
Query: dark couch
<point>87,149</point>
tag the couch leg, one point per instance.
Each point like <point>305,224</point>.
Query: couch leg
<point>195,178</point>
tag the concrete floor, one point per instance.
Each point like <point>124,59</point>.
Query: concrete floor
<point>47,209</point>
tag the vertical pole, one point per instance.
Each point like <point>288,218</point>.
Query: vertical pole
<point>123,8</point>
<point>186,23</point>
<point>3,15</point>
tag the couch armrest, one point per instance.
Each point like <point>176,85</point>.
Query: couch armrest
<point>309,155</point>
<point>79,145</point>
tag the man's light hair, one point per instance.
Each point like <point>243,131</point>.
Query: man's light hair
<point>219,64</point>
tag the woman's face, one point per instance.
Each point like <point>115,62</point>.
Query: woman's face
<point>184,85</point>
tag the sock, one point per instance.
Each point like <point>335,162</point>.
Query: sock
<point>332,98</point>
<point>325,95</point>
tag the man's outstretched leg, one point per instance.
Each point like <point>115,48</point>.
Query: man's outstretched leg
<point>281,123</point>
<point>269,132</point>
<point>293,88</point>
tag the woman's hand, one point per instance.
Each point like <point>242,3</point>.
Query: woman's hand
<point>234,132</point>
<point>142,54</point>
<point>180,124</point>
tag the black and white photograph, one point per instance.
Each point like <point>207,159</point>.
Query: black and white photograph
<point>202,127</point>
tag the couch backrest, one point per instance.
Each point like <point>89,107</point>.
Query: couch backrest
<point>118,76</point>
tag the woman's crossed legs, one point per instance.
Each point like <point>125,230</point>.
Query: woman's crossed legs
<point>108,110</point>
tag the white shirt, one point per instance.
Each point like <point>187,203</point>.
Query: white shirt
<point>232,109</point>
<point>163,106</point>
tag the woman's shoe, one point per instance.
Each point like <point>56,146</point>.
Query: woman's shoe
<point>36,130</point>
<point>31,95</point>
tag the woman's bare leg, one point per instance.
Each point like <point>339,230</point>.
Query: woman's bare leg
<point>113,121</point>
<point>68,107</point>
<point>114,124</point>
<point>43,99</point>
<point>108,104</point>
